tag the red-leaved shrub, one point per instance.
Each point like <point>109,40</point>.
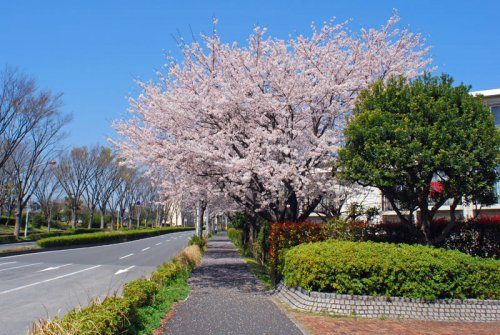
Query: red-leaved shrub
<point>284,235</point>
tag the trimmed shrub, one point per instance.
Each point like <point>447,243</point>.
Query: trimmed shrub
<point>200,242</point>
<point>346,230</point>
<point>189,257</point>
<point>8,238</point>
<point>285,235</point>
<point>236,235</point>
<point>106,237</point>
<point>412,271</point>
<point>106,318</point>
<point>166,273</point>
<point>476,237</point>
<point>140,292</point>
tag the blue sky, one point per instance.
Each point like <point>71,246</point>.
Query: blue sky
<point>92,51</point>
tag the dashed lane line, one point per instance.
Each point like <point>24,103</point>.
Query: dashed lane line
<point>145,249</point>
<point>48,280</point>
<point>126,256</point>
<point>7,263</point>
<point>54,267</point>
<point>124,270</point>
<point>20,266</point>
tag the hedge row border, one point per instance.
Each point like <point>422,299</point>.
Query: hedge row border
<point>108,237</point>
<point>469,310</point>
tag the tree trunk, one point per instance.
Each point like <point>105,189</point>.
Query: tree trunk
<point>73,217</point>
<point>207,221</point>
<point>19,217</point>
<point>200,211</point>
<point>91,217</point>
<point>449,227</point>
<point>112,220</point>
<point>49,219</point>
<point>103,218</point>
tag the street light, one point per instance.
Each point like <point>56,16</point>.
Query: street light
<point>26,227</point>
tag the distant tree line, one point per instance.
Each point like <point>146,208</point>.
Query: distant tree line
<point>36,172</point>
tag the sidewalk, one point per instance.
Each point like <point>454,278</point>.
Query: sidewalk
<point>226,298</point>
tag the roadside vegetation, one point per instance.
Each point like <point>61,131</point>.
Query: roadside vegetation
<point>384,269</point>
<point>106,237</point>
<point>139,310</point>
<point>350,256</point>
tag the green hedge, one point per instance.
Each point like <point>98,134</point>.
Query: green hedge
<point>8,239</point>
<point>38,236</point>
<point>370,268</point>
<point>236,235</point>
<point>106,237</point>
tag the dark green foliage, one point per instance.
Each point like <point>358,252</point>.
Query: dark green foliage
<point>106,237</point>
<point>8,238</point>
<point>385,269</point>
<point>239,220</point>
<point>406,133</point>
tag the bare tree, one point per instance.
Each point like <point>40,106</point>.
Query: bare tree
<point>47,191</point>
<point>92,190</point>
<point>22,108</point>
<point>108,181</point>
<point>31,158</point>
<point>73,173</point>
<point>342,194</point>
<point>6,189</point>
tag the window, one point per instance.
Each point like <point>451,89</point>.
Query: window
<point>496,113</point>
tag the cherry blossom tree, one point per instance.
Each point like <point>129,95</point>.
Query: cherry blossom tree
<point>260,124</point>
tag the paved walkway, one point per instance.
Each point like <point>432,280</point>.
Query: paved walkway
<point>327,325</point>
<point>226,298</point>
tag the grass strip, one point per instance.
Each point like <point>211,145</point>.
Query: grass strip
<point>149,318</point>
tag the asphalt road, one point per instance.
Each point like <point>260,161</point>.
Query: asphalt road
<point>49,283</point>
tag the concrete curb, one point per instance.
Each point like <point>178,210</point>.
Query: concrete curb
<point>469,310</point>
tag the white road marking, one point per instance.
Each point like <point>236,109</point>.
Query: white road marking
<point>55,267</point>
<point>124,270</point>
<point>145,249</point>
<point>126,256</point>
<point>48,280</point>
<point>158,243</point>
<point>7,263</point>
<point>77,250</point>
<point>20,266</point>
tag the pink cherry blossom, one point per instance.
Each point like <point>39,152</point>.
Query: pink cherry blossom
<point>256,127</point>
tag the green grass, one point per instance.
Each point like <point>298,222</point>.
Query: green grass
<point>149,317</point>
<point>8,230</point>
